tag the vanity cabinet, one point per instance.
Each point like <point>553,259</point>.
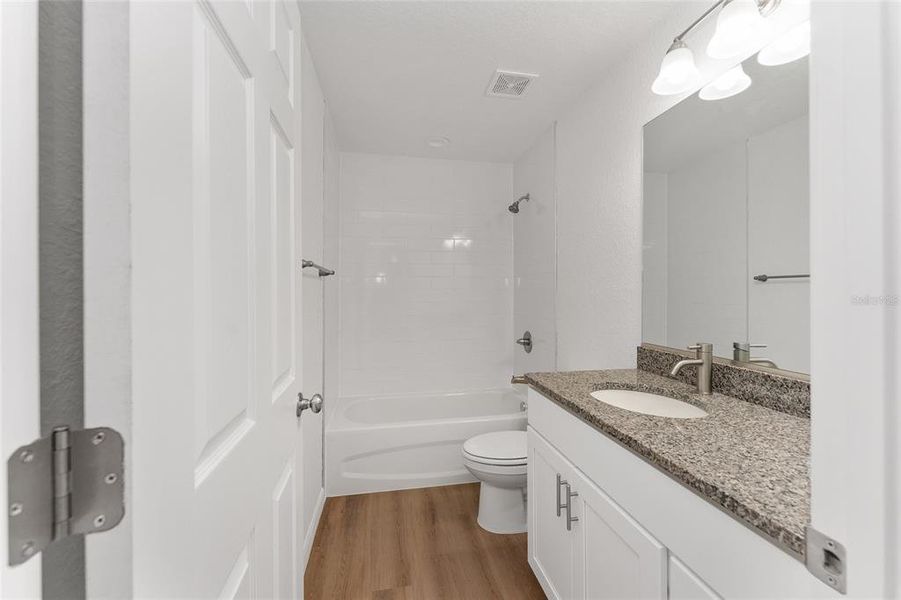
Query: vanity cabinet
<point>581,543</point>
<point>635,532</point>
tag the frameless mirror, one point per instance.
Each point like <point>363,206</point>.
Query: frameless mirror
<point>726,222</point>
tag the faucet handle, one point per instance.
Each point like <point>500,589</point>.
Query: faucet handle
<point>702,348</point>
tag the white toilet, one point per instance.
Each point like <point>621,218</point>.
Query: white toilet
<point>498,460</point>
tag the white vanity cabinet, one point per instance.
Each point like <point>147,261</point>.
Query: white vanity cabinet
<point>634,531</point>
<point>581,544</point>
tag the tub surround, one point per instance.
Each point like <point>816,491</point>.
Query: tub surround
<point>748,460</point>
<point>779,390</point>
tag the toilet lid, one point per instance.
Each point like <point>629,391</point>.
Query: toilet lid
<point>497,445</point>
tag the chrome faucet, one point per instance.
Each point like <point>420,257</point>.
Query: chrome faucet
<point>704,361</point>
<point>741,352</point>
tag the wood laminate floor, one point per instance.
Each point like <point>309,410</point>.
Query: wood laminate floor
<point>420,544</point>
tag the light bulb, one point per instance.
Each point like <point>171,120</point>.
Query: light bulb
<point>739,30</point>
<point>791,45</point>
<point>678,72</point>
<point>734,81</point>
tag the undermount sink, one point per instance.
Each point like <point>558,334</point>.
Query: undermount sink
<point>649,404</point>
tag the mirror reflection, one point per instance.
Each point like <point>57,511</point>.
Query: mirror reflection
<point>726,222</point>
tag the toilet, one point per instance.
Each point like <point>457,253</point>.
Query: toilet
<point>498,460</point>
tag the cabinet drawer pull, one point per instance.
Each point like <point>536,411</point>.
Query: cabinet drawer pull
<point>560,482</point>
<point>569,507</point>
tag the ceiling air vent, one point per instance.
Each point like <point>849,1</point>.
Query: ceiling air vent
<point>506,84</point>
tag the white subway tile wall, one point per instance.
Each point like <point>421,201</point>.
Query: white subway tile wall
<point>426,300</point>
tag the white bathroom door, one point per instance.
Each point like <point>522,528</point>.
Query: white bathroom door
<point>215,319</point>
<point>19,373</point>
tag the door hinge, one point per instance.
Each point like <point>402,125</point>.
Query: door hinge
<point>67,483</point>
<point>827,560</point>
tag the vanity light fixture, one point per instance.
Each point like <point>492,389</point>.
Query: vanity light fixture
<point>732,82</point>
<point>678,73</point>
<point>788,47</point>
<point>740,27</point>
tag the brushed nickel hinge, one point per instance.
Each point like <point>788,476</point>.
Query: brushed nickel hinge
<point>827,560</point>
<point>67,483</point>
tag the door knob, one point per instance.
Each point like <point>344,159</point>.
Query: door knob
<point>314,403</point>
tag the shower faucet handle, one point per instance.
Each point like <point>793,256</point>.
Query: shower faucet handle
<point>526,341</point>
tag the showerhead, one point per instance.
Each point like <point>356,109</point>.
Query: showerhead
<point>514,208</point>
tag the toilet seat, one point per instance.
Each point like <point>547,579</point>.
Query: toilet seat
<point>483,467</point>
<point>498,448</point>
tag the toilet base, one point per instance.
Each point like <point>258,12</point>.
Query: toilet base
<point>502,510</point>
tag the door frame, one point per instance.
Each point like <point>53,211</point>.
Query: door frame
<point>855,92</point>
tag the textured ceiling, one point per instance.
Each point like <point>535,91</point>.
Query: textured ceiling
<point>396,73</point>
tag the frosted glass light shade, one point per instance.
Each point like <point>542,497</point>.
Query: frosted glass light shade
<point>791,45</point>
<point>678,73</point>
<point>732,82</point>
<point>739,30</point>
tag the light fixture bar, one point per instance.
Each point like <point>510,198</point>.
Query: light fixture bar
<point>699,20</point>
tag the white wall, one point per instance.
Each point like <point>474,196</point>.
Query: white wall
<point>535,256</point>
<point>425,267</point>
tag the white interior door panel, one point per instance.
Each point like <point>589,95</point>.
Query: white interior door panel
<point>216,303</point>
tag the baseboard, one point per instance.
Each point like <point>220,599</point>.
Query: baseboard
<point>310,537</point>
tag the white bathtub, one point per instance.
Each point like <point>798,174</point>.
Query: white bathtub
<point>375,444</point>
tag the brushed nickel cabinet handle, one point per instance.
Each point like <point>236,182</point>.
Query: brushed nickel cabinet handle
<point>570,519</point>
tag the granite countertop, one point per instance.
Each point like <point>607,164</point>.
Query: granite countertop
<point>748,460</point>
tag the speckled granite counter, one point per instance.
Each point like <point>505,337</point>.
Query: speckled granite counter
<point>750,461</point>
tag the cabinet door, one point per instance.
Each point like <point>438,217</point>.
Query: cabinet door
<point>685,585</point>
<point>617,558</point>
<point>552,549</point>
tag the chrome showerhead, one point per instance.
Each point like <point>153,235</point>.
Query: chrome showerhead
<point>514,208</point>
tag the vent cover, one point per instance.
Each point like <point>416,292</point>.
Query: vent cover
<point>507,84</point>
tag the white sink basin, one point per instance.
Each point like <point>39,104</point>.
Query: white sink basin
<point>649,404</point>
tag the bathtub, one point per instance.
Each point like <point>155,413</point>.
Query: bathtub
<point>381,443</point>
